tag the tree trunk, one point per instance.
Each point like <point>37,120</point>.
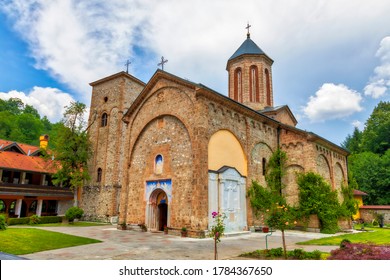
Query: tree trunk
<point>215,249</point>
<point>284,245</point>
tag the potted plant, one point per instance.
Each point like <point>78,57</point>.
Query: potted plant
<point>265,229</point>
<point>143,227</point>
<point>123,225</point>
<point>184,232</point>
<point>381,219</point>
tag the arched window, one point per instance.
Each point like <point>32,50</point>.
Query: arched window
<point>2,206</point>
<point>104,119</point>
<point>264,166</point>
<point>237,85</point>
<point>158,164</point>
<point>12,207</point>
<point>99,175</point>
<point>268,87</point>
<point>33,206</point>
<point>254,84</point>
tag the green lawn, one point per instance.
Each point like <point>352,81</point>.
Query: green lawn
<point>373,235</point>
<point>20,241</point>
<point>75,224</point>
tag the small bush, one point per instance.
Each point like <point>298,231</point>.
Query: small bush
<point>275,252</point>
<point>50,219</point>
<point>74,213</point>
<point>315,255</point>
<point>3,225</point>
<point>34,219</point>
<point>298,254</point>
<point>344,243</point>
<point>18,221</point>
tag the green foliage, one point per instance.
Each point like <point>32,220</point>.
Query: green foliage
<point>50,219</point>
<point>353,142</point>
<point>34,219</point>
<point>18,221</point>
<point>73,149</point>
<point>370,159</point>
<point>277,253</point>
<point>21,123</point>
<point>371,172</point>
<point>317,197</point>
<point>3,225</point>
<point>349,206</point>
<point>276,169</point>
<point>74,213</point>
<point>274,252</point>
<point>376,135</point>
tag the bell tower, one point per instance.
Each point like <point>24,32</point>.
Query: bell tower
<point>250,76</point>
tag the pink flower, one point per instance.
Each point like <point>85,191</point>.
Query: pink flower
<point>214,214</point>
<point>217,234</point>
<point>286,223</point>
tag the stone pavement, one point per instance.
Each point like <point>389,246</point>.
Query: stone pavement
<point>131,245</point>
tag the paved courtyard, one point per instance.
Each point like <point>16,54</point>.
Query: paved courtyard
<point>131,245</point>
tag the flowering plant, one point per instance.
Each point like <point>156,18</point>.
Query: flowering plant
<point>218,229</point>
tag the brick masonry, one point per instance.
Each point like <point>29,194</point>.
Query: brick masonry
<point>176,118</point>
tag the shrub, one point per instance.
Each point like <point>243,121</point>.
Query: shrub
<point>298,254</point>
<point>18,221</point>
<point>344,243</point>
<point>3,225</point>
<point>359,251</point>
<point>34,219</point>
<point>50,219</point>
<point>275,252</point>
<point>74,213</point>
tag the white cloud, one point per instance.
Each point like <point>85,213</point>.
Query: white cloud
<point>358,124</point>
<point>379,84</point>
<point>332,102</point>
<point>78,42</point>
<point>49,102</point>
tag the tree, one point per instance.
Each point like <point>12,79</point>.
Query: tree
<point>376,135</point>
<point>269,200</point>
<point>372,175</point>
<point>353,142</point>
<point>73,148</point>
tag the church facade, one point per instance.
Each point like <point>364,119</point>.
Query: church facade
<point>170,152</point>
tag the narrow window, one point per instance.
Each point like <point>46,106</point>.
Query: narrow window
<point>268,87</point>
<point>264,166</point>
<point>254,84</point>
<point>104,119</point>
<point>237,85</point>
<point>158,164</point>
<point>99,175</point>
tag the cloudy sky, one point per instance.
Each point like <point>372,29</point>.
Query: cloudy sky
<point>332,58</point>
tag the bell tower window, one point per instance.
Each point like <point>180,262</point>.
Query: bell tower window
<point>268,88</point>
<point>237,85</point>
<point>254,84</point>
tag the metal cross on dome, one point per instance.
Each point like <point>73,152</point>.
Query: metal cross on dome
<point>247,27</point>
<point>163,61</point>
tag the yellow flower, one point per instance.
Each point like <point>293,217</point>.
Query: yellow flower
<point>295,222</point>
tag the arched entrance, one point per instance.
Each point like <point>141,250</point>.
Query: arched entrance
<point>157,212</point>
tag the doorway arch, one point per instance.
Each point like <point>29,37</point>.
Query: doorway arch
<point>158,210</point>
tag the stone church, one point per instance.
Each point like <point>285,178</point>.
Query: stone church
<point>170,152</point>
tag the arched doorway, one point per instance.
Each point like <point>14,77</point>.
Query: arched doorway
<point>23,210</point>
<point>157,214</point>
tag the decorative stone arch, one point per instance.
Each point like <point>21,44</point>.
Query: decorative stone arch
<point>323,168</point>
<point>291,188</point>
<point>224,149</point>
<point>157,210</point>
<point>339,179</point>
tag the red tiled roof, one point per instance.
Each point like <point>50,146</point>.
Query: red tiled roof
<point>26,148</point>
<point>375,207</point>
<point>4,143</point>
<point>12,160</point>
<point>357,192</point>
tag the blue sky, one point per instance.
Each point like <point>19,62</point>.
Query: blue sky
<point>331,58</point>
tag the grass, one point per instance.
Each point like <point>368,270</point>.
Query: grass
<point>74,224</point>
<point>376,236</point>
<point>21,241</point>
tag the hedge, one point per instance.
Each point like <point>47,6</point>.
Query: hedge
<point>42,220</point>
